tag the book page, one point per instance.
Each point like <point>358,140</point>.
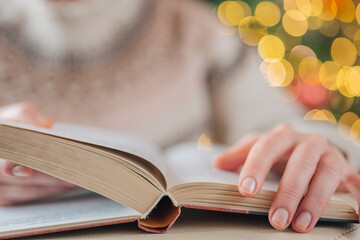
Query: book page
<point>77,207</point>
<point>186,163</point>
<point>105,138</point>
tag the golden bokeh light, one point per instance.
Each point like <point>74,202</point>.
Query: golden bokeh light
<point>320,115</point>
<point>232,12</point>
<point>343,52</point>
<point>340,103</point>
<point>355,130</point>
<point>246,8</point>
<point>310,7</point>
<point>342,82</point>
<point>309,70</point>
<point>295,23</point>
<point>279,73</point>
<point>345,123</point>
<point>356,41</point>
<point>268,13</point>
<point>328,73</point>
<point>251,31</point>
<point>288,48</point>
<point>345,10</point>
<point>329,10</point>
<point>290,5</point>
<point>357,13</point>
<point>353,81</point>
<point>204,143</point>
<point>271,48</point>
<point>297,54</point>
<point>222,13</point>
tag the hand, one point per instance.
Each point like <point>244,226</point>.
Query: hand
<point>20,184</point>
<point>311,168</point>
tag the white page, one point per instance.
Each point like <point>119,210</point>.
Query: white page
<point>186,163</point>
<point>77,207</point>
<point>102,137</point>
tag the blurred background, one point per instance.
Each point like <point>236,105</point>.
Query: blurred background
<point>309,47</point>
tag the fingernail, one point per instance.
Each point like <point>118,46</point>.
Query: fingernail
<point>248,185</point>
<point>303,220</point>
<point>280,217</point>
<point>20,171</point>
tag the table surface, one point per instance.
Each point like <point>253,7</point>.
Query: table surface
<point>200,224</point>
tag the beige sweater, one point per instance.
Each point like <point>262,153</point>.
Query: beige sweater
<point>138,66</point>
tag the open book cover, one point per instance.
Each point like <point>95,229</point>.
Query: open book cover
<point>129,179</point>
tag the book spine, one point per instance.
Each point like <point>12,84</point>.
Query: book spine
<point>161,229</point>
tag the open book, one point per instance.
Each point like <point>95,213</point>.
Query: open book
<point>133,181</point>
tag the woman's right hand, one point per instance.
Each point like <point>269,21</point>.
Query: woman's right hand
<point>19,184</point>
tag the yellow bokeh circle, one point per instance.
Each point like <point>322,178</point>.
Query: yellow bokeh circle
<point>308,70</point>
<point>343,52</point>
<point>251,31</point>
<point>232,12</point>
<point>357,13</point>
<point>320,115</point>
<point>295,23</point>
<point>353,81</point>
<point>342,82</point>
<point>328,73</point>
<point>329,10</point>
<point>279,73</point>
<point>271,48</point>
<point>340,103</point>
<point>345,10</point>
<point>355,130</point>
<point>345,123</point>
<point>310,7</point>
<point>356,41</point>
<point>268,13</point>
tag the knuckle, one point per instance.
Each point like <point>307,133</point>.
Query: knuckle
<point>333,166</point>
<point>308,163</point>
<point>318,200</point>
<point>337,153</point>
<point>291,193</point>
<point>282,128</point>
<point>318,139</point>
<point>264,142</point>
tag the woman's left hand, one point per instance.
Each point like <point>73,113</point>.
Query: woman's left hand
<point>312,170</point>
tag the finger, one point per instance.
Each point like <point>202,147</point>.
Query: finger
<point>10,169</point>
<point>323,185</point>
<point>15,195</point>
<point>25,113</point>
<point>236,155</point>
<point>352,181</point>
<point>296,178</point>
<point>265,152</point>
